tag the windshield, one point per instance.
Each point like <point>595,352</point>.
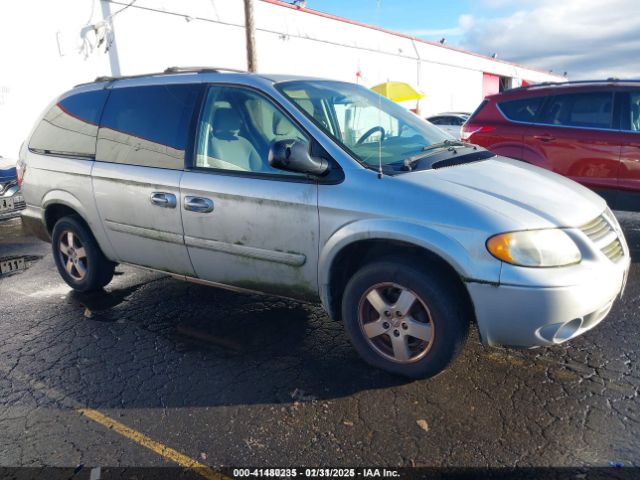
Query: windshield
<point>372,128</point>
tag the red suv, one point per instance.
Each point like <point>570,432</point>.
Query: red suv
<point>587,131</point>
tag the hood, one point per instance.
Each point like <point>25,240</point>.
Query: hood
<point>7,170</point>
<point>529,196</point>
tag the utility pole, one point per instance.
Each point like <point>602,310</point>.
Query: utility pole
<point>114,60</point>
<point>252,62</point>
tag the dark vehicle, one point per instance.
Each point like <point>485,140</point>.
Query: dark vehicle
<point>11,202</point>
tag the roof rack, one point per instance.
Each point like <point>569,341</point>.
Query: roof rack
<point>202,70</point>
<point>573,82</point>
<point>167,71</point>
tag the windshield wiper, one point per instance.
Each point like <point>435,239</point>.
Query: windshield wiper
<point>428,151</point>
<point>447,143</point>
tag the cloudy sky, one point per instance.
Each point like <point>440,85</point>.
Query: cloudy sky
<point>586,38</point>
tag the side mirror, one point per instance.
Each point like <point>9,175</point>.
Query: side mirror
<point>293,156</point>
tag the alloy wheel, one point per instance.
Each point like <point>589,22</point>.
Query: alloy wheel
<point>396,322</point>
<point>73,255</point>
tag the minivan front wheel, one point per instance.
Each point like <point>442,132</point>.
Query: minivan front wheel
<point>404,320</point>
<point>78,257</point>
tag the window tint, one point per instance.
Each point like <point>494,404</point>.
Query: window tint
<point>631,112</point>
<point>147,125</point>
<point>587,110</point>
<point>522,110</point>
<point>70,127</point>
<point>237,129</point>
<point>436,120</point>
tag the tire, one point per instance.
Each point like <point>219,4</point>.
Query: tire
<point>78,257</point>
<point>382,334</point>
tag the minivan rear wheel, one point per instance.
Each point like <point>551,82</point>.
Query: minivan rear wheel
<point>405,320</point>
<point>78,257</point>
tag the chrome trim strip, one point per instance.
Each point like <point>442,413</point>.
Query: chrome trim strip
<point>292,259</point>
<point>145,232</point>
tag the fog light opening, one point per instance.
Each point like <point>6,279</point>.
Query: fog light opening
<point>567,330</point>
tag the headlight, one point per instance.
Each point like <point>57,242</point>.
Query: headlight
<point>535,248</point>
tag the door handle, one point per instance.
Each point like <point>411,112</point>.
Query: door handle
<point>198,204</point>
<point>163,199</point>
<point>544,137</point>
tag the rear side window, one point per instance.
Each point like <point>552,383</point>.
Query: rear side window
<point>586,110</point>
<point>147,126</point>
<point>70,127</point>
<point>521,110</point>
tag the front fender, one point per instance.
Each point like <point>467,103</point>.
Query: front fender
<point>429,238</point>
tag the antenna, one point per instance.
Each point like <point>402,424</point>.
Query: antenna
<point>379,108</point>
<point>380,141</point>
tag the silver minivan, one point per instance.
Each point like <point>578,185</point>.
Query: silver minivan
<point>323,191</point>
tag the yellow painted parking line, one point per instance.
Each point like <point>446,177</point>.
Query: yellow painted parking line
<point>157,447</point>
<point>63,399</point>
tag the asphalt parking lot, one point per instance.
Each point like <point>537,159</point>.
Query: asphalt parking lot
<point>226,379</point>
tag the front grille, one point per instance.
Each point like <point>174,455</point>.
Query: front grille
<point>604,236</point>
<point>19,205</point>
<point>614,250</point>
<point>6,186</point>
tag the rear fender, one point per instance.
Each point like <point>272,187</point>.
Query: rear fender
<point>62,197</point>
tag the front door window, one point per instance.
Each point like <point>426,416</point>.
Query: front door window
<point>237,129</point>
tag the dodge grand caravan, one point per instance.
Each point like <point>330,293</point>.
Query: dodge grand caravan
<point>321,191</point>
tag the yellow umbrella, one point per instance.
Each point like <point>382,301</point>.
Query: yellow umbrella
<point>398,91</point>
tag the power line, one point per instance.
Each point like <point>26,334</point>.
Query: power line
<point>121,10</point>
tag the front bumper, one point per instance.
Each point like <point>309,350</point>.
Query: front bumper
<point>526,317</point>
<point>9,215</point>
<point>18,205</point>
